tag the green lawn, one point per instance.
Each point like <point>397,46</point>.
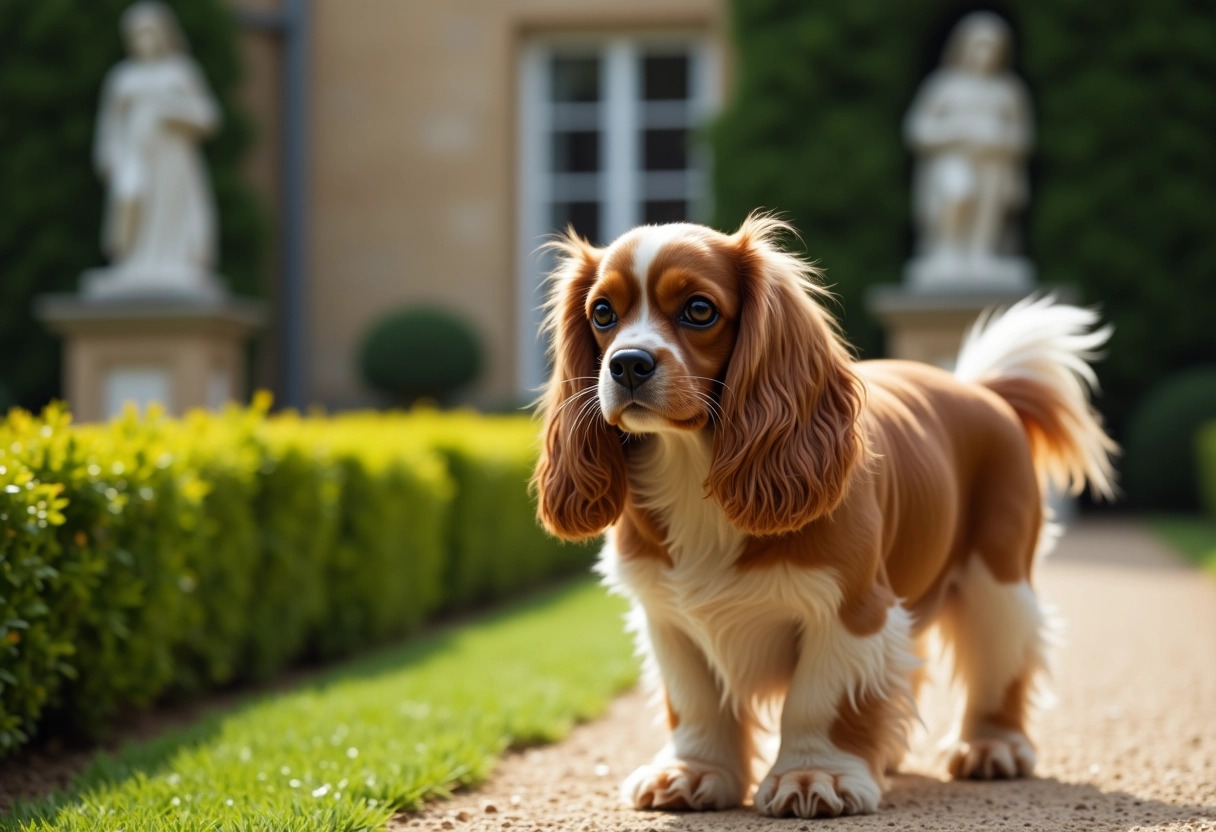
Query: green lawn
<point>370,738</point>
<point>1192,535</point>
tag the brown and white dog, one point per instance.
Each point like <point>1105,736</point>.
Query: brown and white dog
<point>788,522</point>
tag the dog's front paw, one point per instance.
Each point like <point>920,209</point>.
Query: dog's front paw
<point>993,758</point>
<point>682,784</point>
<point>815,793</point>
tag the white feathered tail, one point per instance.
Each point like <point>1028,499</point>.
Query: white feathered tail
<point>1036,356</point>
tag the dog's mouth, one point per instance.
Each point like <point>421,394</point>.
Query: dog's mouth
<point>636,416</point>
<point>631,410</point>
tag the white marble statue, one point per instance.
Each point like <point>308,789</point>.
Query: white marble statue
<point>159,229</point>
<point>970,130</point>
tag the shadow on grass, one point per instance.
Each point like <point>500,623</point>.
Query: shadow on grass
<point>33,781</point>
<point>918,802</point>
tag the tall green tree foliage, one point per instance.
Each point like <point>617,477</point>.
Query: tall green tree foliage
<point>55,54</point>
<point>1123,176</point>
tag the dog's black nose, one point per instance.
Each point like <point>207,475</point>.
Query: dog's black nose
<point>631,368</point>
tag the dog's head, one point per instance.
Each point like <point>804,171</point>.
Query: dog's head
<point>682,328</point>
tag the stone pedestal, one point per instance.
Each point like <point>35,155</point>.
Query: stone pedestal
<point>183,353</point>
<point>928,325</point>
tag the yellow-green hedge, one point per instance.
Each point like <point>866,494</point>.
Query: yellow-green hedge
<point>151,556</point>
<point>1206,466</point>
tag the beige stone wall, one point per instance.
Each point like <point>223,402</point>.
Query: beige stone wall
<point>413,163</point>
<point>413,192</point>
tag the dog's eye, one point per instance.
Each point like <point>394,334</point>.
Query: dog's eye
<point>602,315</point>
<point>699,312</point>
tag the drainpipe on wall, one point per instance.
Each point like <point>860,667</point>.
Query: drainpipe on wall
<point>291,24</point>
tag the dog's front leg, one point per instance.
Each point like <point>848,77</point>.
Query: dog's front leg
<point>704,763</point>
<point>843,720</point>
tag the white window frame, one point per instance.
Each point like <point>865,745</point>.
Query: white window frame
<point>619,195</point>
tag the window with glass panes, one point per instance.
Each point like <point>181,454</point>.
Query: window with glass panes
<point>607,139</point>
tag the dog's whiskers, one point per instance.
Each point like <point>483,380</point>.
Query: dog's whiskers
<point>586,413</point>
<point>723,384</point>
<point>711,404</point>
<point>574,397</point>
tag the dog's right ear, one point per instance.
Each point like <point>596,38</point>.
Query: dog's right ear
<point>580,479</point>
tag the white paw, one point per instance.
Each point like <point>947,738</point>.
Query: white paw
<point>682,784</point>
<point>993,758</point>
<point>814,793</point>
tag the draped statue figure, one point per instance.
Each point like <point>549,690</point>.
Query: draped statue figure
<point>970,130</point>
<point>159,229</point>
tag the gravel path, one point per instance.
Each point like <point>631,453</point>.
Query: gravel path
<point>1131,743</point>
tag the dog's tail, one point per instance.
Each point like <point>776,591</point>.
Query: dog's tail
<point>1036,355</point>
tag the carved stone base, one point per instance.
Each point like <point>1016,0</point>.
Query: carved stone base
<point>944,271</point>
<point>928,326</point>
<point>180,352</point>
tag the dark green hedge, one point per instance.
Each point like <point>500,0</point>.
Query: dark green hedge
<point>1123,177</point>
<point>155,557</point>
<point>1161,465</point>
<point>55,55</point>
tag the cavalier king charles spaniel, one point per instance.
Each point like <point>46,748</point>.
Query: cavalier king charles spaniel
<point>788,522</point>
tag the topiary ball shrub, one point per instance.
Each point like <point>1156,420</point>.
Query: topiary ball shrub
<point>420,353</point>
<point>1160,461</point>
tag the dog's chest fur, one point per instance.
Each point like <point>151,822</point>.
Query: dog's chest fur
<point>746,623</point>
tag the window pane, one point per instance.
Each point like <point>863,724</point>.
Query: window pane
<point>576,151</point>
<point>665,77</point>
<point>584,216</point>
<point>665,149</point>
<point>575,79</point>
<point>664,210</point>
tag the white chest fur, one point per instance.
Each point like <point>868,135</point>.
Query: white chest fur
<point>667,477</point>
<point>746,623</point>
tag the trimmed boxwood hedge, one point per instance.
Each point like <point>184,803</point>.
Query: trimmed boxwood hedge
<point>153,557</point>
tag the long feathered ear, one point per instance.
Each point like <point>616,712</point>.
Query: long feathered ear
<point>580,479</point>
<point>790,432</point>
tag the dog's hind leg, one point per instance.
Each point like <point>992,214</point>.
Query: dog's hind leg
<point>995,630</point>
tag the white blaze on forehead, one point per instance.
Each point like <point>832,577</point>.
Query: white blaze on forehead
<point>650,241</point>
<point>641,331</point>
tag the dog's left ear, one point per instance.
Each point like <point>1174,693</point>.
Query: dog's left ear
<point>790,434</point>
